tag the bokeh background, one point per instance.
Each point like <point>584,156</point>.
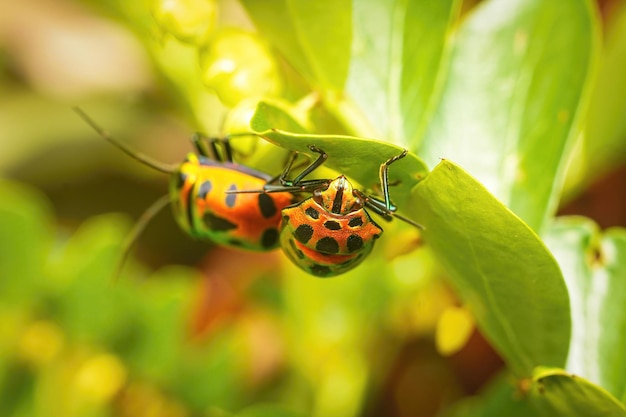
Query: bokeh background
<point>192,329</point>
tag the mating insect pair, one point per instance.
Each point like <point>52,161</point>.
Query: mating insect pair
<point>214,198</point>
<point>330,232</point>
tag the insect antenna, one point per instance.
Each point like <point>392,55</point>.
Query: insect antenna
<point>138,228</point>
<point>144,159</point>
<point>409,221</point>
<point>379,206</point>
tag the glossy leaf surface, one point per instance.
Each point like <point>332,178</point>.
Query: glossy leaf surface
<point>594,267</point>
<point>501,269</point>
<point>558,393</point>
<point>398,54</point>
<point>519,74</point>
<point>314,36</point>
<point>358,158</point>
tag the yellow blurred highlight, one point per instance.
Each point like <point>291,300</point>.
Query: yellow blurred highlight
<point>341,386</point>
<point>453,330</point>
<point>419,313</point>
<point>404,242</point>
<point>190,21</point>
<point>237,120</point>
<point>142,400</point>
<point>100,377</point>
<point>40,343</point>
<point>239,65</point>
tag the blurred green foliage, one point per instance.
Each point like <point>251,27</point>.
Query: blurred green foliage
<point>524,102</point>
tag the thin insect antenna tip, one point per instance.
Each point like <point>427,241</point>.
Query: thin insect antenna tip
<point>409,221</point>
<point>146,160</point>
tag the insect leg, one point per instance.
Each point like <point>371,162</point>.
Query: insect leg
<point>200,142</point>
<point>384,177</point>
<point>136,231</point>
<point>323,156</point>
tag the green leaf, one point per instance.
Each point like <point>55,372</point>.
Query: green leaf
<point>314,36</point>
<point>500,398</point>
<point>268,410</point>
<point>594,267</point>
<point>398,52</point>
<point>519,75</point>
<point>26,230</point>
<point>357,158</point>
<point>603,145</point>
<point>550,393</point>
<point>274,115</point>
<point>273,20</point>
<point>83,275</point>
<point>558,393</point>
<point>161,317</point>
<point>500,268</point>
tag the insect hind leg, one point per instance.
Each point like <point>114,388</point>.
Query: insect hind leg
<point>210,147</point>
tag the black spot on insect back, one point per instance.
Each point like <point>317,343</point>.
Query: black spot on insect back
<point>320,270</point>
<point>219,224</point>
<point>332,225</point>
<point>355,222</point>
<point>355,242</point>
<point>269,237</point>
<point>327,245</point>
<point>267,206</point>
<point>312,213</point>
<point>303,233</point>
<point>231,199</point>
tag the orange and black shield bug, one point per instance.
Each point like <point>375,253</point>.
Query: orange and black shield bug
<point>331,232</point>
<point>202,195</point>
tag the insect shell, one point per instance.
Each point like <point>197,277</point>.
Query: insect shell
<point>329,233</point>
<point>203,208</point>
<point>200,200</point>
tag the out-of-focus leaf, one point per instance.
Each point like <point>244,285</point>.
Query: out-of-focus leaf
<point>398,50</point>
<point>553,392</point>
<point>26,237</point>
<point>391,54</point>
<point>324,29</point>
<point>273,115</point>
<point>160,319</point>
<point>223,359</point>
<point>92,308</point>
<point>557,393</point>
<point>494,261</point>
<point>202,375</point>
<point>594,267</point>
<point>343,321</point>
<point>314,36</point>
<point>603,144</point>
<point>357,158</point>
<point>499,399</point>
<point>520,72</point>
<point>268,410</point>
